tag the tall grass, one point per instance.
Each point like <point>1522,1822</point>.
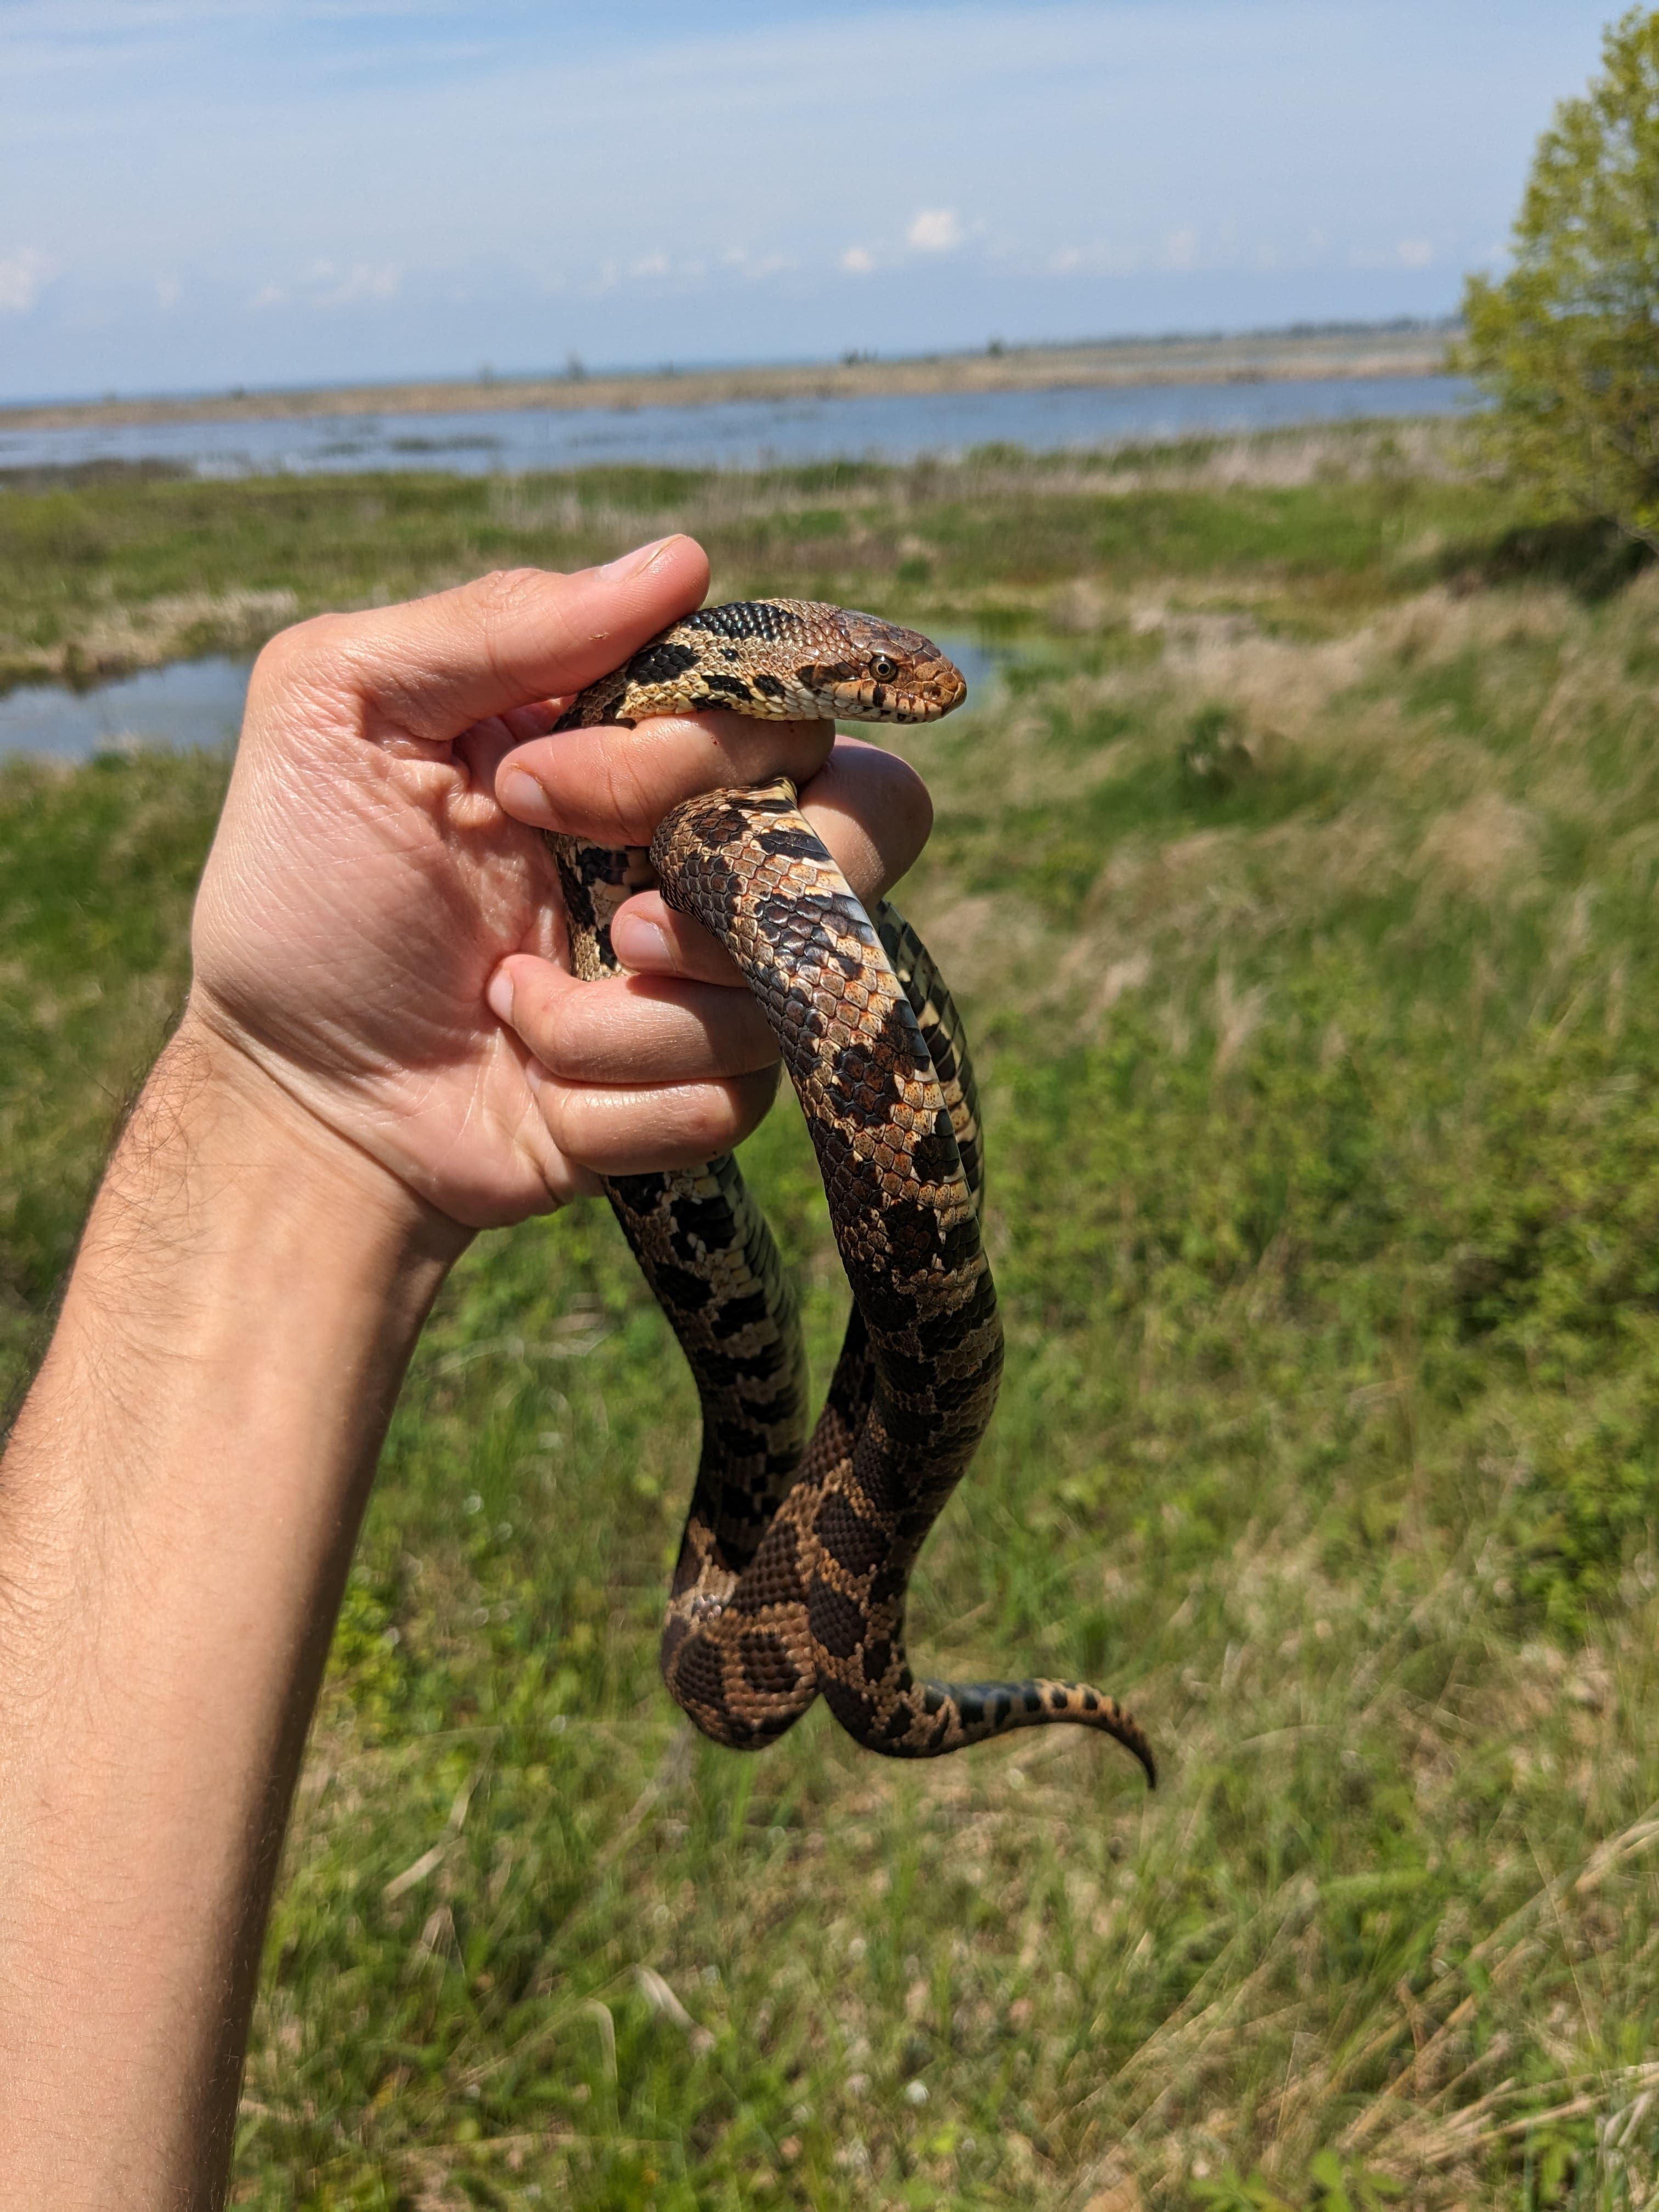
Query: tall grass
<point>1300,890</point>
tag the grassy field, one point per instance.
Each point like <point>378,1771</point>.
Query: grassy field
<point>1299,888</point>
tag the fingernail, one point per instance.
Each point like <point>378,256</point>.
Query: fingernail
<point>639,944</point>
<point>500,995</point>
<point>522,795</point>
<point>637,563</point>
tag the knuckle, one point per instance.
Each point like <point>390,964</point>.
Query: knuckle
<point>559,1054</point>
<point>304,651</point>
<point>499,604</point>
<point>563,1126</point>
<point>571,1110</point>
<point>551,1027</point>
<point>503,594</point>
<point>615,769</point>
<point>632,791</point>
<point>313,667</point>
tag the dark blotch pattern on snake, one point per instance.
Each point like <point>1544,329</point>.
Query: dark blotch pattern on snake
<point>793,1572</point>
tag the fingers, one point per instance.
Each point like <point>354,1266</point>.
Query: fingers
<point>871,809</point>
<point>616,1133</point>
<point>630,1074</point>
<point>670,1065</point>
<point>433,667</point>
<point>485,746</point>
<point>629,1031</point>
<point>614,785</point>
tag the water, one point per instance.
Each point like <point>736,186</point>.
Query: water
<point>192,703</point>
<point>742,433</point>
<point>199,703</point>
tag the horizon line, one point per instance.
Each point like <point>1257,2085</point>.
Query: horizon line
<point>575,370</point>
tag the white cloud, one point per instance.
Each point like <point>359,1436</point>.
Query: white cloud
<point>1093,260</point>
<point>1409,253</point>
<point>169,291</point>
<point>754,266</point>
<point>1181,249</point>
<point>21,276</point>
<point>858,261</point>
<point>328,284</point>
<point>935,230</point>
<point>362,281</point>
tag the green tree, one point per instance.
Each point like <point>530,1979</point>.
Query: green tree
<point>1567,344</point>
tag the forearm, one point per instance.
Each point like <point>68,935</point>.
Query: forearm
<point>177,1512</point>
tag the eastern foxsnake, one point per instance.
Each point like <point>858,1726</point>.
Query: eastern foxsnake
<point>792,1574</point>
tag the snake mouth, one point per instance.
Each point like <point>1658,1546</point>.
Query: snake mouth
<point>867,700</point>
<point>938,692</point>
<point>941,697</point>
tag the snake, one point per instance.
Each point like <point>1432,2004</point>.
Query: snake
<point>793,1567</point>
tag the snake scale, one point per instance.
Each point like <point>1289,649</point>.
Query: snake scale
<point>792,1575</point>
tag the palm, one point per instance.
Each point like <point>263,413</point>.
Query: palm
<point>347,945</point>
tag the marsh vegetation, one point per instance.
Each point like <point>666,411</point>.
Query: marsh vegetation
<point>1299,889</point>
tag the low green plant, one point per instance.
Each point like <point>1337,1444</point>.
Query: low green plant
<point>1214,756</point>
<point>1319,1204</point>
<point>1331,2185</point>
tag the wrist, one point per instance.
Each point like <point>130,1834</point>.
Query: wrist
<point>217,1151</point>
<point>245,1273</point>
<point>234,1227</point>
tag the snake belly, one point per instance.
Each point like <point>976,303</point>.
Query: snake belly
<point>793,1568</point>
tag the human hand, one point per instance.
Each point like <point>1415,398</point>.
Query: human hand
<point>369,900</point>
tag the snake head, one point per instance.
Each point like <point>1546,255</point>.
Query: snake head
<point>881,673</point>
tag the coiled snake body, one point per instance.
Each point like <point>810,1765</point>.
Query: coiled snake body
<point>792,1574</point>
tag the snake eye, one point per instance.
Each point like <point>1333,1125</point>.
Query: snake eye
<point>883,669</point>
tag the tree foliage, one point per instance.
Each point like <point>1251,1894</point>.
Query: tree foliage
<point>1567,343</point>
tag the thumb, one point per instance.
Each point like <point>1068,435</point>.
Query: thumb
<point>432,668</point>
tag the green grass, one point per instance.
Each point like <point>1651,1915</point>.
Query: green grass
<point>115,568</point>
<point>1299,892</point>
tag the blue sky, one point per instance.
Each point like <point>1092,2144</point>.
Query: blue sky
<point>197,193</point>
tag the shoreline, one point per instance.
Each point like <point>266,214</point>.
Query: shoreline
<point>1262,358</point>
